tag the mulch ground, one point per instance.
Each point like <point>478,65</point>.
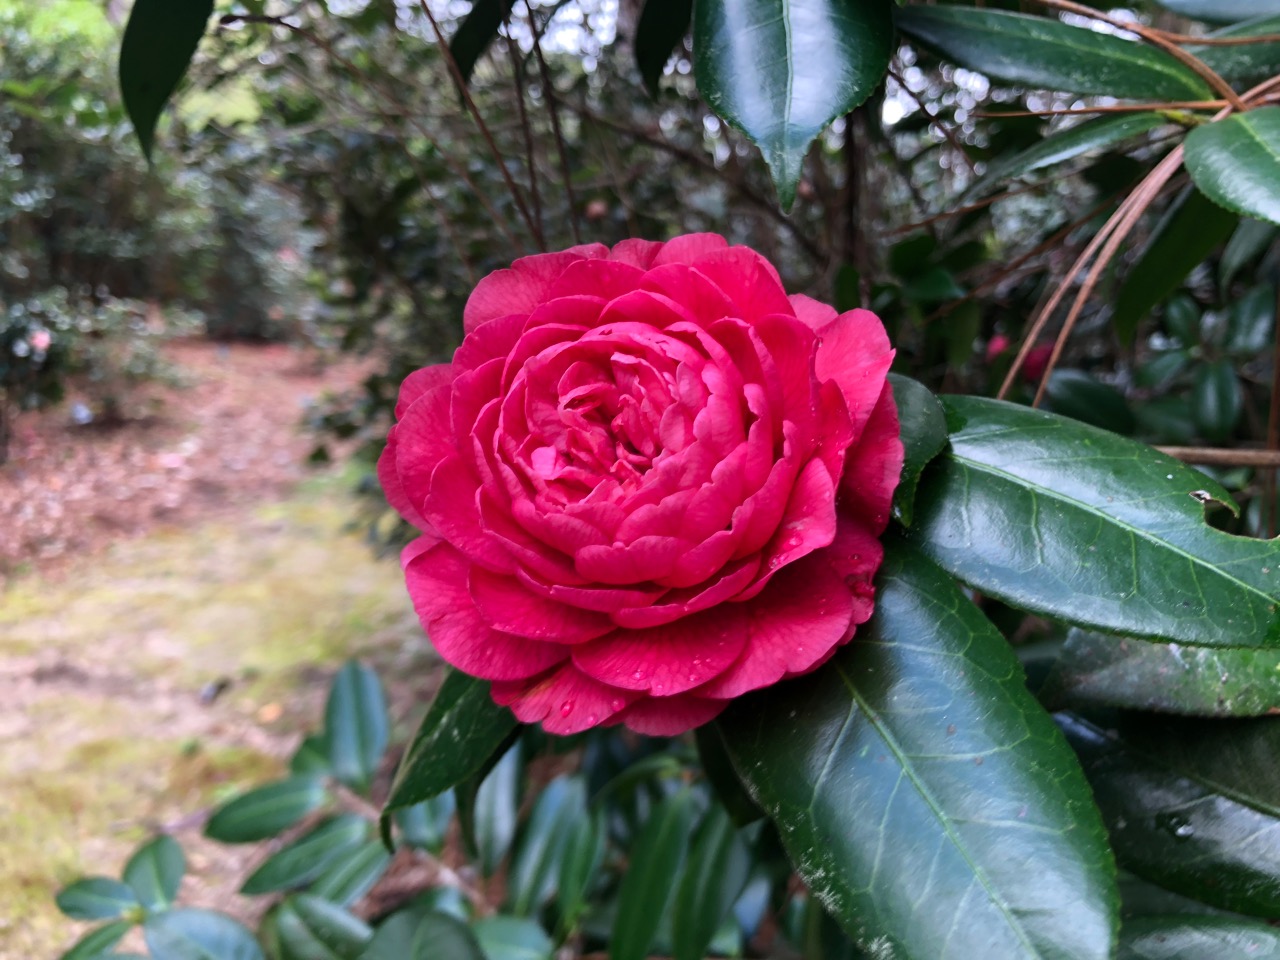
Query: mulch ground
<point>228,439</point>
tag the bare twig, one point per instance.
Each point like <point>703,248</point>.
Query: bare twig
<point>1216,457</point>
<point>562,151</point>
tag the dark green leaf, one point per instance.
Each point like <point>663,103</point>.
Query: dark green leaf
<point>715,875</point>
<point>1076,394</point>
<point>1193,229</point>
<point>1251,238</point>
<point>311,758</point>
<point>355,725</point>
<point>1198,938</point>
<point>423,825</point>
<point>311,928</point>
<point>923,795</point>
<point>1166,420</point>
<point>1095,670</point>
<point>353,876</point>
<point>1217,400</point>
<point>496,808</point>
<point>191,934</point>
<point>97,943</point>
<point>461,731</point>
<point>932,286</point>
<point>1162,369</point>
<point>155,872</point>
<point>650,879</point>
<point>309,856</point>
<point>96,898</point>
<point>266,811</point>
<point>1251,322</point>
<point>440,935</point>
<point>1046,53</point>
<point>1182,319</point>
<point>912,256</point>
<point>1088,137</point>
<point>781,70</point>
<point>1243,63</point>
<point>1236,162</point>
<point>719,768</point>
<point>531,881</point>
<point>512,938</point>
<point>477,32</point>
<point>662,26</point>
<point>1193,806</point>
<point>1222,11</point>
<point>583,854</point>
<point>924,434</point>
<point>1062,519</point>
<point>159,42</point>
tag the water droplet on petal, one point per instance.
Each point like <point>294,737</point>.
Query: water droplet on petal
<point>566,708</point>
<point>616,704</point>
<point>638,675</point>
<point>591,719</point>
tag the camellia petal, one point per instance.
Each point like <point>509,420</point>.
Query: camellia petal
<point>649,482</point>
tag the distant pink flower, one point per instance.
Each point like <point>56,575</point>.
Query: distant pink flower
<point>996,346</point>
<point>1037,362</point>
<point>648,482</point>
<point>41,341</point>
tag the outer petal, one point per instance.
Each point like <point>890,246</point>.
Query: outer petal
<point>874,465</point>
<point>516,290</point>
<point>451,508</point>
<point>812,313</point>
<point>855,353</point>
<point>670,716</point>
<point>565,701</point>
<point>804,612</point>
<point>421,381</point>
<point>638,253</point>
<point>488,341</point>
<point>689,248</point>
<point>855,556</point>
<point>437,582</point>
<point>508,606</point>
<point>670,659</point>
<point>389,480</point>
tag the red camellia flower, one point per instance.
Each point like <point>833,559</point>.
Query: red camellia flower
<point>648,482</point>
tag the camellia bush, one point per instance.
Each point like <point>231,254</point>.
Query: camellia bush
<point>758,647</point>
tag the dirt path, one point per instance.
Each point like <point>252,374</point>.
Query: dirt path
<point>105,736</point>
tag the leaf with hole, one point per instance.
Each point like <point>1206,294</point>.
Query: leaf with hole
<point>781,70</point>
<point>1046,53</point>
<point>1072,522</point>
<point>159,42</point>
<point>1236,162</point>
<point>921,792</point>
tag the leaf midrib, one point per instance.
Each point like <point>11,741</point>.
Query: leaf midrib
<point>935,807</point>
<point>1134,531</point>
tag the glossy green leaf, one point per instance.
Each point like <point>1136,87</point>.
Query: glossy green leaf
<point>1044,52</point>
<point>923,795</point>
<point>1075,523</point>
<point>1162,369</point>
<point>924,434</point>
<point>583,855</point>
<point>531,881</point>
<point>460,733</point>
<point>715,875</point>
<point>1249,241</point>
<point>1222,11</point>
<point>97,943</point>
<point>266,811</point>
<point>311,928</point>
<point>1243,63</point>
<point>1095,670</point>
<point>354,875</point>
<point>649,882</point>
<point>476,32</point>
<point>495,811</point>
<point>1251,322</point>
<point>423,826</point>
<point>428,936</point>
<point>355,725</point>
<point>1198,938</point>
<point>310,855</point>
<point>191,934</point>
<point>96,898</point>
<point>1192,805</point>
<point>1084,138</point>
<point>1193,228</point>
<point>1217,400</point>
<point>781,70</point>
<point>159,42</point>
<point>155,871</point>
<point>1076,394</point>
<point>1236,162</point>
<point>311,758</point>
<point>512,938</point>
<point>662,26</point>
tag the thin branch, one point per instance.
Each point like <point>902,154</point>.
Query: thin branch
<point>531,166</point>
<point>942,128</point>
<point>562,151</point>
<point>1215,457</point>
